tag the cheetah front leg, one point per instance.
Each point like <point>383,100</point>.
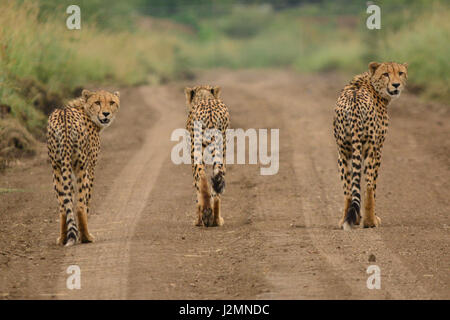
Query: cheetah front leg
<point>84,193</point>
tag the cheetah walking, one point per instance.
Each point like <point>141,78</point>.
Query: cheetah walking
<point>360,127</point>
<point>207,123</point>
<point>73,143</point>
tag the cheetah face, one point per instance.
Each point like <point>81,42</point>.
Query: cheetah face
<point>388,78</point>
<point>200,93</point>
<point>101,106</point>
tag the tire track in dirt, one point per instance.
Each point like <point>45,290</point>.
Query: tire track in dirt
<point>294,269</point>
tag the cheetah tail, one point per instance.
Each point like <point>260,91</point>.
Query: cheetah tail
<point>351,216</point>
<point>218,183</point>
<point>71,224</point>
<point>72,229</point>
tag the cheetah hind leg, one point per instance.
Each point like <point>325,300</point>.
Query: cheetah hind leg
<point>205,216</point>
<point>370,220</point>
<point>63,230</point>
<point>218,220</point>
<point>204,201</point>
<point>208,217</point>
<point>86,237</point>
<point>84,179</point>
<point>198,222</point>
<point>218,185</point>
<point>62,239</point>
<point>348,200</point>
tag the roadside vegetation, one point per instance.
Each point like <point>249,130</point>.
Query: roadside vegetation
<point>127,43</point>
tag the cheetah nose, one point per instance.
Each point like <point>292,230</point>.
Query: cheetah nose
<point>396,85</point>
<point>107,113</point>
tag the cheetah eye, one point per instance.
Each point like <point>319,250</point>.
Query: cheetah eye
<point>401,73</point>
<point>386,74</point>
<point>97,103</point>
<point>111,103</point>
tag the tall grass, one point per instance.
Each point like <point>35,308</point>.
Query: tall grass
<point>60,60</point>
<point>314,38</point>
<point>425,45</point>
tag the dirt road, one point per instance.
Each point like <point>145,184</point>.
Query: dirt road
<point>280,239</point>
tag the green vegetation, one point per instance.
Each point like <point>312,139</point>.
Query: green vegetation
<point>313,38</point>
<point>124,43</point>
<point>41,57</point>
<point>6,190</point>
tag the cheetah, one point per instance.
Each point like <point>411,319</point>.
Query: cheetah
<point>73,141</point>
<point>360,127</point>
<point>207,114</point>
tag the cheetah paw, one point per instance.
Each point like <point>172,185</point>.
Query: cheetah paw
<point>218,223</point>
<point>372,224</point>
<point>60,241</point>
<point>87,238</point>
<point>70,242</point>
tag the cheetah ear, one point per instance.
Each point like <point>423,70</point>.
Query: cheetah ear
<point>189,92</point>
<point>216,91</point>
<point>373,67</point>
<point>117,94</point>
<point>86,94</point>
<point>405,65</point>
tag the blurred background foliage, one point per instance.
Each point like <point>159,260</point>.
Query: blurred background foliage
<point>133,42</point>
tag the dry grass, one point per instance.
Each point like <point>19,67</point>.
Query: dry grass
<point>15,141</point>
<point>42,63</point>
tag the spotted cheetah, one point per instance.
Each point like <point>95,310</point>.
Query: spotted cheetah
<point>360,127</point>
<point>207,123</point>
<point>73,141</point>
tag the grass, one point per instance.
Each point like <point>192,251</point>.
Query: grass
<point>61,60</point>
<point>316,38</point>
<point>8,190</point>
<point>424,47</point>
<point>42,62</point>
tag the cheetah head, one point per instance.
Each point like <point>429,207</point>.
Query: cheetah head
<point>200,93</point>
<point>101,106</point>
<point>388,78</point>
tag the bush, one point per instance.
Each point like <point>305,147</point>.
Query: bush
<point>245,22</point>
